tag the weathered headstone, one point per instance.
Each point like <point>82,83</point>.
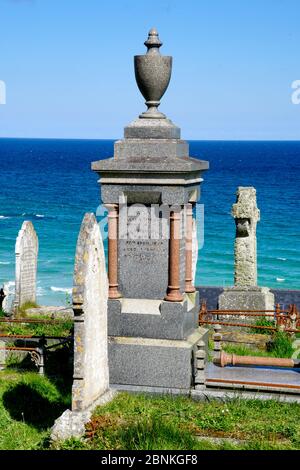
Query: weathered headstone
<point>245,294</point>
<point>26,252</point>
<point>90,292</point>
<point>91,373</point>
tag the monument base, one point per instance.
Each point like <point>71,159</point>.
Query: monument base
<point>149,362</point>
<point>246,298</point>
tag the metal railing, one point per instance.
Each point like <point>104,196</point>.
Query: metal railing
<point>284,320</point>
<point>37,353</point>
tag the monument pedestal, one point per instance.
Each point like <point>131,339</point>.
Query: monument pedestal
<point>159,363</point>
<point>152,343</point>
<point>151,187</point>
<point>246,298</point>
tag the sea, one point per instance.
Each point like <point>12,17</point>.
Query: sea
<point>50,182</point>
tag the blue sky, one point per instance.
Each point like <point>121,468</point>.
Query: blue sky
<point>68,66</point>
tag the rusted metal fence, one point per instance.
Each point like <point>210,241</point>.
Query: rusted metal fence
<point>284,320</point>
<point>37,353</point>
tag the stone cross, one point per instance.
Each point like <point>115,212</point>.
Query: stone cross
<point>90,293</point>
<point>26,252</point>
<point>246,215</point>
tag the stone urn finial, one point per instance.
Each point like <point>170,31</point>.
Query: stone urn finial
<point>152,73</point>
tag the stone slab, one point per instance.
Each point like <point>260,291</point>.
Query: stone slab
<point>268,375</point>
<point>153,318</point>
<point>246,298</point>
<point>151,166</point>
<point>152,129</point>
<point>157,192</point>
<point>153,362</point>
<point>153,148</point>
<point>228,395</point>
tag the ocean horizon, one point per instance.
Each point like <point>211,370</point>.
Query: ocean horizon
<point>50,182</point>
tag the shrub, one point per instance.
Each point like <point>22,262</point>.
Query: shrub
<point>281,345</point>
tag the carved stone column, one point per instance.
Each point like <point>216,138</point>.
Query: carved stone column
<point>173,293</point>
<point>113,222</point>
<point>189,288</point>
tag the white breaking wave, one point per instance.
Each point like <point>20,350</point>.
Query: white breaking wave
<point>4,217</point>
<point>40,291</point>
<point>5,262</point>
<point>61,289</point>
<point>280,279</point>
<point>39,215</point>
<point>282,259</point>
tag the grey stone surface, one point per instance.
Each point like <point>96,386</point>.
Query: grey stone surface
<point>246,298</point>
<point>253,376</point>
<point>150,193</point>
<point>26,251</point>
<point>143,252</point>
<point>228,395</point>
<point>90,291</point>
<point>51,312</point>
<point>150,166</point>
<point>151,148</point>
<point>152,318</point>
<point>154,362</point>
<point>143,258</point>
<point>152,129</point>
<point>151,390</point>
<point>72,423</point>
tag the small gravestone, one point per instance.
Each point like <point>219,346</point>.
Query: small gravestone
<point>246,295</point>
<point>90,293</point>
<point>26,252</point>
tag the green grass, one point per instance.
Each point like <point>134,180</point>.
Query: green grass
<point>62,328</point>
<point>30,403</point>
<point>242,350</point>
<point>134,422</point>
<point>279,346</point>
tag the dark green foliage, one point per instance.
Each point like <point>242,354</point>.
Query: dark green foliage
<point>263,322</point>
<point>281,345</point>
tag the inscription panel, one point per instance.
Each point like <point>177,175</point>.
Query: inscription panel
<point>143,259</point>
